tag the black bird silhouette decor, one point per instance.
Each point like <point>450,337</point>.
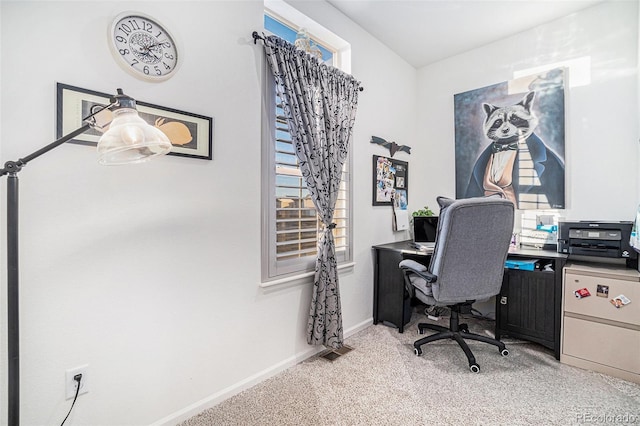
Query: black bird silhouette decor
<point>393,147</point>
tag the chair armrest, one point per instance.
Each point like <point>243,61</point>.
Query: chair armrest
<point>411,266</point>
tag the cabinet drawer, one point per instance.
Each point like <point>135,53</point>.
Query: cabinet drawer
<point>601,307</point>
<point>604,344</point>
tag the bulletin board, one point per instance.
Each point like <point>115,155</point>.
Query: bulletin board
<point>390,177</point>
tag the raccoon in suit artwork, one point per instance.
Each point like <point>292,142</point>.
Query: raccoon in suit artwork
<point>517,164</point>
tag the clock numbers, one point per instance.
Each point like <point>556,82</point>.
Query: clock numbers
<point>156,69</point>
<point>133,25</point>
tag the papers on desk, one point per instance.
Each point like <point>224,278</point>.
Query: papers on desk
<point>400,212</point>
<point>423,246</point>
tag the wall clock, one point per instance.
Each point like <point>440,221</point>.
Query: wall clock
<point>143,46</point>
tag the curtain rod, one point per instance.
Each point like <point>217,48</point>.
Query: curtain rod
<point>257,37</point>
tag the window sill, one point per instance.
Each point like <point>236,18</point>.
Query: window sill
<point>301,278</point>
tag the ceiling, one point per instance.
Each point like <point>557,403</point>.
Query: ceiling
<point>427,31</point>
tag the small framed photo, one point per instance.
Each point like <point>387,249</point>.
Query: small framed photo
<point>190,134</point>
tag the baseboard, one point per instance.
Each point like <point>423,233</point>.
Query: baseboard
<point>358,327</point>
<point>215,399</point>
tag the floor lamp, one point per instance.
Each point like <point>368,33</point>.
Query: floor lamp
<point>129,139</point>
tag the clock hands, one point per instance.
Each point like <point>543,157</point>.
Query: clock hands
<point>151,51</point>
<point>159,43</point>
<point>147,48</point>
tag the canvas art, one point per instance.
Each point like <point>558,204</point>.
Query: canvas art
<point>509,140</point>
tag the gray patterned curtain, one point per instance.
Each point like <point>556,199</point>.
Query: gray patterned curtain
<point>320,103</point>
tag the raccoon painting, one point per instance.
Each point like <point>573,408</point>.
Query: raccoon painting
<point>517,165</point>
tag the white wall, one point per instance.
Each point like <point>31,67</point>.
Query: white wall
<point>601,117</point>
<point>150,274</point>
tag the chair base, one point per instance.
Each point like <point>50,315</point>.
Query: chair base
<point>458,332</point>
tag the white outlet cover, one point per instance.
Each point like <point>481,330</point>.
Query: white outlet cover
<point>71,383</point>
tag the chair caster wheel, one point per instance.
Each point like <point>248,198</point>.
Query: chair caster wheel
<point>504,352</point>
<point>417,351</point>
<point>475,368</point>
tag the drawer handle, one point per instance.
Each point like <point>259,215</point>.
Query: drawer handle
<point>503,300</point>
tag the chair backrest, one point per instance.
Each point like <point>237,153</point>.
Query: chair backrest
<point>471,248</point>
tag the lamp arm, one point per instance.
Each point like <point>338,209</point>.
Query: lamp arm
<point>15,166</point>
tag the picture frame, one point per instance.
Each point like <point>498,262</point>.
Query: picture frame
<point>389,176</point>
<point>191,134</point>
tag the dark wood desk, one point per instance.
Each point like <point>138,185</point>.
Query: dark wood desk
<point>391,302</point>
<point>528,307</point>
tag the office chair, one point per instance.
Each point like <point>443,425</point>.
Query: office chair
<point>467,265</point>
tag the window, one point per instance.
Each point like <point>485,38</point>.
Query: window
<point>290,225</point>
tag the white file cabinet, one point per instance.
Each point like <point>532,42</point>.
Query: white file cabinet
<point>597,335</point>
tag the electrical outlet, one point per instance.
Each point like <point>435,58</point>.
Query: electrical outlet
<point>72,384</point>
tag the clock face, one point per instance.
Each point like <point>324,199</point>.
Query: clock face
<point>143,46</point>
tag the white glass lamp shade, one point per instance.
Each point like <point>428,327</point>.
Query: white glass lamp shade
<point>130,139</point>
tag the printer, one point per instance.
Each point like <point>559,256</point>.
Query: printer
<point>599,239</point>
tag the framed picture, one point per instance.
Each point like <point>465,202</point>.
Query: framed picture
<point>389,176</point>
<point>190,134</point>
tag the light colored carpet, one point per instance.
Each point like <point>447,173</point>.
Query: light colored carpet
<point>382,382</point>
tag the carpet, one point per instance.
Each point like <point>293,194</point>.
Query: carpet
<point>382,382</point>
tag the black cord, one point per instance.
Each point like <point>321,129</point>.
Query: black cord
<point>77,378</point>
<point>479,315</point>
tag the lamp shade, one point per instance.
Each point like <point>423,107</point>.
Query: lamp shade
<point>129,138</point>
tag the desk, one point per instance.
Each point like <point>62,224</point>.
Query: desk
<point>528,307</point>
<point>391,302</point>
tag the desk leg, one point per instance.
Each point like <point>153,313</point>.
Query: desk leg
<point>376,285</point>
<point>388,289</point>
